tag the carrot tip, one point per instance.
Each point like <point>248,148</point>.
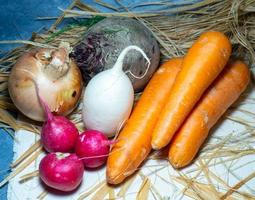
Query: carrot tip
<point>176,165</point>
<point>114,180</point>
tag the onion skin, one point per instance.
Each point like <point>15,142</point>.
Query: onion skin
<point>60,87</point>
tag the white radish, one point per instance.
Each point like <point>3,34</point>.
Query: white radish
<point>109,97</point>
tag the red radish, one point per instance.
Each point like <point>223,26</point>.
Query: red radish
<point>58,133</point>
<point>93,148</point>
<point>61,171</point>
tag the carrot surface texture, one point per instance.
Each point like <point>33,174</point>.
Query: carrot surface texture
<point>134,141</point>
<point>202,64</point>
<point>215,101</point>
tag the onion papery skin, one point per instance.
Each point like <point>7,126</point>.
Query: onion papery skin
<point>61,93</point>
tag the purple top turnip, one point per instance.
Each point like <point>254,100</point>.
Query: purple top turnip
<point>103,42</point>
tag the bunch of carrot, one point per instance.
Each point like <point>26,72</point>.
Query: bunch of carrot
<point>181,103</point>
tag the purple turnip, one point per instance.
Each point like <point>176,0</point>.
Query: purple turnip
<point>103,42</point>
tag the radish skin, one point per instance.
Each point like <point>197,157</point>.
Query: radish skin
<point>93,148</point>
<point>60,171</point>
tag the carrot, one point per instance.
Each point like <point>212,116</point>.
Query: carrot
<point>202,64</point>
<point>134,141</point>
<point>214,102</point>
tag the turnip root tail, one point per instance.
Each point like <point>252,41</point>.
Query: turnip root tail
<point>119,63</point>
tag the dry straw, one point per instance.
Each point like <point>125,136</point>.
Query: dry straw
<point>175,26</point>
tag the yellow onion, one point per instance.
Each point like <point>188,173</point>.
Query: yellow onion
<point>57,77</point>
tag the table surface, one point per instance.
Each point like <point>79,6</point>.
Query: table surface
<point>18,19</point>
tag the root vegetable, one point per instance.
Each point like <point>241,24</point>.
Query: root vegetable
<point>104,41</point>
<point>109,97</point>
<point>58,133</point>
<point>93,148</point>
<point>63,172</point>
<point>134,141</point>
<point>57,76</point>
<point>202,64</point>
<point>219,96</point>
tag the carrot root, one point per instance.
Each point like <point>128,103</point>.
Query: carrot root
<point>216,100</point>
<point>134,141</point>
<point>202,64</point>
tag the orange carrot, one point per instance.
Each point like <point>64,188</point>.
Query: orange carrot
<point>134,141</point>
<point>220,95</point>
<point>202,64</point>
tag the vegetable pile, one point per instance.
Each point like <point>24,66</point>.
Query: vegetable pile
<point>183,100</point>
<point>181,114</point>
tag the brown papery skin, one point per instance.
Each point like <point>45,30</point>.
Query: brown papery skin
<point>216,100</point>
<point>134,141</point>
<point>60,89</point>
<point>202,64</point>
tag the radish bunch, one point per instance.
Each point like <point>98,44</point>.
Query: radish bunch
<point>62,169</point>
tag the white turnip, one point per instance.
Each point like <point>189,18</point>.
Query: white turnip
<point>109,97</point>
